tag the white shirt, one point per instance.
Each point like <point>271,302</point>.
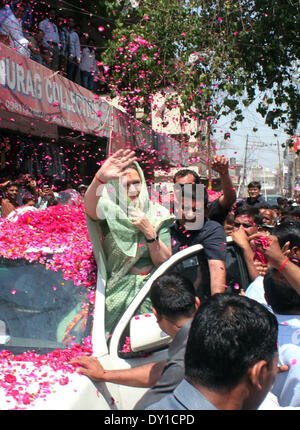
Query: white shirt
<point>74,45</point>
<point>88,60</point>
<point>50,30</point>
<point>256,291</point>
<point>287,385</point>
<point>12,27</point>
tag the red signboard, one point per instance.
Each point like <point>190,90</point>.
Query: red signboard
<point>32,90</point>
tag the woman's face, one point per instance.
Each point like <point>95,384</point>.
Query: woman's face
<point>132,182</point>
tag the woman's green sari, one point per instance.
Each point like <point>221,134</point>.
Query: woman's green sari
<point>123,246</point>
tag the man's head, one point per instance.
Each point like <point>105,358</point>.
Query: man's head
<point>233,343</point>
<point>28,201</point>
<point>189,205</point>
<point>12,191</point>
<point>190,199</point>
<point>288,235</point>
<point>71,22</point>
<point>246,217</point>
<point>280,295</point>
<point>52,14</point>
<point>269,216</point>
<point>282,201</point>
<point>40,35</point>
<point>186,176</point>
<point>254,188</point>
<point>173,299</point>
<point>61,20</point>
<point>19,8</point>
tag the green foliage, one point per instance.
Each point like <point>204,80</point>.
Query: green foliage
<point>215,54</point>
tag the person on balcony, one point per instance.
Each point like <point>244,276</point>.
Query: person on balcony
<point>88,65</point>
<point>73,51</point>
<point>11,30</point>
<point>51,38</point>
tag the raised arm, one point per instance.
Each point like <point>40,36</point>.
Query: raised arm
<point>220,165</point>
<point>279,258</point>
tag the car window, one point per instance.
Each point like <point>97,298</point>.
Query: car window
<point>39,309</point>
<point>237,275</point>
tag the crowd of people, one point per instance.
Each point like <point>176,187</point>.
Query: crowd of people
<point>23,193</point>
<point>229,350</point>
<point>56,42</point>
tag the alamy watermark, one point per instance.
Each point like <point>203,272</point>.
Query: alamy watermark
<point>186,202</point>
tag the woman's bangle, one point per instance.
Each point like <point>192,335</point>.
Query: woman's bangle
<point>99,180</point>
<point>152,240</point>
<point>283,264</point>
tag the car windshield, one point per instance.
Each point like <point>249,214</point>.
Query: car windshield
<point>272,199</point>
<point>39,309</point>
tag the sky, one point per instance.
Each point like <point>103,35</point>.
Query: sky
<point>262,144</point>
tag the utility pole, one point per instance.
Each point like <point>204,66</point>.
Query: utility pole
<point>280,176</point>
<point>243,177</point>
<point>208,146</point>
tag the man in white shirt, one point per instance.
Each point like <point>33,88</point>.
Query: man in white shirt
<point>51,38</point>
<point>73,49</point>
<point>285,303</point>
<point>11,27</point>
<point>88,65</point>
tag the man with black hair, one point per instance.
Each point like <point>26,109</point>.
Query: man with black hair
<point>174,305</point>
<point>245,224</point>
<point>218,209</point>
<point>231,357</point>
<point>192,227</point>
<point>285,303</point>
<point>9,203</point>
<point>282,252</point>
<point>51,38</point>
<point>27,188</point>
<point>255,198</point>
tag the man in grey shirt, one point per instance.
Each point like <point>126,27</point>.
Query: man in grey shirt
<point>174,305</point>
<point>173,371</point>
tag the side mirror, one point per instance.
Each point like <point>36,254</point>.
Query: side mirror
<point>146,335</point>
<point>4,336</point>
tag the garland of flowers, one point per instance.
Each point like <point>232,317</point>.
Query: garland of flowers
<point>30,376</point>
<point>52,228</point>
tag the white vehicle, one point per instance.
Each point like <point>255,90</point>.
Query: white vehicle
<point>36,315</point>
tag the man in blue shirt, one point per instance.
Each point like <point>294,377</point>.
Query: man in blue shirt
<point>51,38</point>
<point>285,303</point>
<point>231,357</point>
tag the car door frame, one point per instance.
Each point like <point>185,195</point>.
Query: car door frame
<point>128,396</point>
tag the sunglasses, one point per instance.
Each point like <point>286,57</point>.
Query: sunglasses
<point>238,225</point>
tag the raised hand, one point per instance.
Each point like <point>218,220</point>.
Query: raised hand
<point>115,165</point>
<point>140,220</point>
<point>220,164</point>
